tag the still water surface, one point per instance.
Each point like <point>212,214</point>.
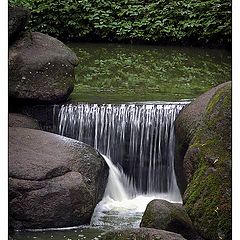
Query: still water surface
<point>82,233</point>
<point>126,73</point>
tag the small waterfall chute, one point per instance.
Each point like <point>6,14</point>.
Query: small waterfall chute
<point>118,188</point>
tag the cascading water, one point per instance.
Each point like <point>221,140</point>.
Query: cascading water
<point>118,187</point>
<point>139,140</point>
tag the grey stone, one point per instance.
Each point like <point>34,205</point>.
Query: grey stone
<point>49,180</point>
<point>141,234</point>
<point>163,215</point>
<point>41,69</point>
<point>20,120</point>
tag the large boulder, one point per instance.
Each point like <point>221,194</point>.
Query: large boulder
<point>20,120</point>
<point>207,162</point>
<point>163,215</point>
<point>54,181</point>
<point>186,125</point>
<point>17,21</point>
<point>141,234</point>
<point>41,69</point>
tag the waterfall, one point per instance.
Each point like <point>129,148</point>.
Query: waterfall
<point>137,142</point>
<point>139,138</point>
<point>118,188</point>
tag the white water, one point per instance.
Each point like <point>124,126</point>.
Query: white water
<point>121,205</point>
<point>115,188</point>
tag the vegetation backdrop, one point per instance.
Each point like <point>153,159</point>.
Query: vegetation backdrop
<point>167,21</point>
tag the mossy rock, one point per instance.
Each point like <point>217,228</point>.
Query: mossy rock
<point>187,123</point>
<point>207,198</point>
<point>161,214</point>
<point>141,234</point>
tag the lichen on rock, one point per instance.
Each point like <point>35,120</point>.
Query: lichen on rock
<point>164,215</point>
<point>207,197</point>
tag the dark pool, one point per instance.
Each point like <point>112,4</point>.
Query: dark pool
<point>123,72</point>
<point>81,233</point>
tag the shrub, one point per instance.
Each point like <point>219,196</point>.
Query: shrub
<point>184,21</point>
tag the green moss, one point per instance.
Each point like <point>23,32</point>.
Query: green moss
<point>208,196</point>
<point>204,199</point>
<point>222,95</point>
<point>148,218</point>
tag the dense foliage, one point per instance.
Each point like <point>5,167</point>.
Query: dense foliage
<point>207,21</point>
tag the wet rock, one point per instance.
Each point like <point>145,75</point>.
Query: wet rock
<point>141,234</point>
<point>49,180</point>
<point>207,198</point>
<point>163,215</point>
<point>20,120</point>
<point>41,69</point>
<point>17,21</point>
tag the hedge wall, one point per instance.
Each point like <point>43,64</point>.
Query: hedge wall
<point>171,21</point>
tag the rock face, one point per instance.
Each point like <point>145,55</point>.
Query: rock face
<point>41,69</point>
<point>163,215</point>
<point>17,21</point>
<point>187,123</point>
<point>54,181</point>
<point>20,120</point>
<point>207,168</point>
<point>141,234</point>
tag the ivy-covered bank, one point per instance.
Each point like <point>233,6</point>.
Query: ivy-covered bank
<point>164,21</point>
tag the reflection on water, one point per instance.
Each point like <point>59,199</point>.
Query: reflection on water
<point>83,233</point>
<point>118,72</point>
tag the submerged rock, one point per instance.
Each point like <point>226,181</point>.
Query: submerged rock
<point>141,234</point>
<point>41,69</point>
<point>54,181</point>
<point>17,21</point>
<point>207,168</point>
<point>163,215</point>
<point>20,120</point>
